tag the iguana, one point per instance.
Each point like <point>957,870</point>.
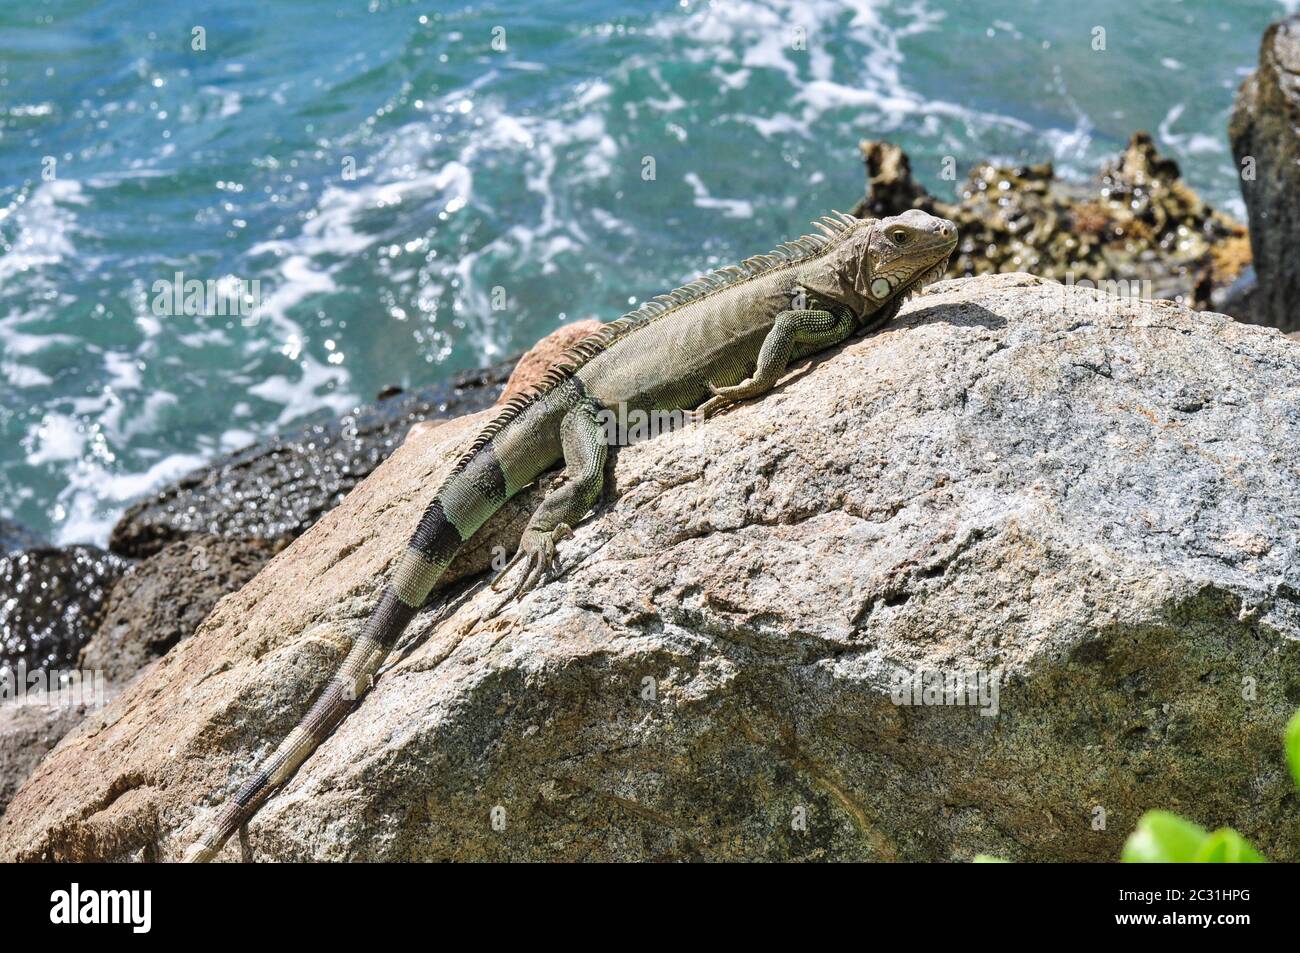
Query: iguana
<point>727,336</point>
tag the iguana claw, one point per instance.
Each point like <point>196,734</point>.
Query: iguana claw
<point>705,410</point>
<point>723,397</point>
<point>537,552</point>
<point>746,388</point>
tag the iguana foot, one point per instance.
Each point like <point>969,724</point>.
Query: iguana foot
<point>723,397</point>
<point>742,391</point>
<point>537,553</point>
<point>706,410</point>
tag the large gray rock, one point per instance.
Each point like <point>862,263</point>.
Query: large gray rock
<point>1265,129</point>
<point>1094,499</point>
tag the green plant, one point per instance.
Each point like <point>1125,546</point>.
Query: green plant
<point>1164,838</point>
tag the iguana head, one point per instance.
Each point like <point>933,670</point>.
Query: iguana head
<point>903,253</point>
<point>876,264</point>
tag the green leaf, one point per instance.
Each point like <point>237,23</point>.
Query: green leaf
<point>1163,838</point>
<point>988,859</point>
<point>1293,746</point>
<point>1226,846</point>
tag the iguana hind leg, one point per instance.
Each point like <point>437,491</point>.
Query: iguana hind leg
<point>793,334</point>
<point>583,440</point>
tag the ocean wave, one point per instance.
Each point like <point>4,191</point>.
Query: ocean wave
<point>489,195</point>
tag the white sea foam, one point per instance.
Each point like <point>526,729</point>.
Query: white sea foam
<point>731,208</point>
<point>22,376</point>
<point>237,438</point>
<point>230,101</point>
<point>1186,143</point>
<point>146,420</point>
<point>20,344</point>
<point>43,222</point>
<point>1070,147</point>
<point>533,144</point>
<point>94,498</point>
<point>123,371</point>
<point>867,83</point>
<point>57,438</point>
<point>309,391</point>
<point>78,439</point>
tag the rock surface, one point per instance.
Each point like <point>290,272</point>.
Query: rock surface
<point>161,600</point>
<point>51,602</point>
<point>1137,221</point>
<point>30,729</point>
<point>1265,129</point>
<point>1095,499</point>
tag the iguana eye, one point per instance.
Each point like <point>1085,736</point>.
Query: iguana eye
<point>899,236</point>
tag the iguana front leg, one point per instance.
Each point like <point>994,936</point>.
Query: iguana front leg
<point>583,440</point>
<point>793,334</point>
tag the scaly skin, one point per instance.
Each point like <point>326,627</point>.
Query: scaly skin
<point>726,337</point>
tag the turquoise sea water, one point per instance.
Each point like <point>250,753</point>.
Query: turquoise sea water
<point>419,188</point>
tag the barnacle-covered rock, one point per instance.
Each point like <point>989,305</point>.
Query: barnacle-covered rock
<point>1138,228</point>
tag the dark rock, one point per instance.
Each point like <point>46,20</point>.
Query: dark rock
<point>276,489</point>
<point>1137,223</point>
<point>1265,134</point>
<point>51,602</point>
<point>14,538</point>
<point>162,599</point>
<point>890,186</point>
<point>1238,299</point>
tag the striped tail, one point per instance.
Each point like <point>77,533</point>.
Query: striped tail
<point>465,501</point>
